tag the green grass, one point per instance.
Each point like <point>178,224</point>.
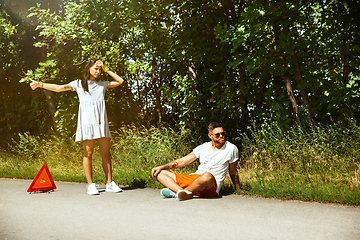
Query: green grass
<point>302,163</point>
<point>134,151</point>
<point>307,162</point>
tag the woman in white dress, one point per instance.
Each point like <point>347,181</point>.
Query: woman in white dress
<point>92,118</point>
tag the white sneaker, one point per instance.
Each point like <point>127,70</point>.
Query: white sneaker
<point>92,190</point>
<point>112,187</point>
<point>183,195</point>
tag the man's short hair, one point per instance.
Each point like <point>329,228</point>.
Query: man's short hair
<point>213,125</point>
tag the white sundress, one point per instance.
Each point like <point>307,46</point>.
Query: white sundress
<point>92,116</point>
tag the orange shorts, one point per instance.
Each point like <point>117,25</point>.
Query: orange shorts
<point>185,180</point>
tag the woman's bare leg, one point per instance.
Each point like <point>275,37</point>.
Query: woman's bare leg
<point>87,160</point>
<point>104,146</point>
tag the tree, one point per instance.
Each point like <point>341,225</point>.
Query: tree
<point>17,112</point>
<point>293,41</point>
<point>187,63</point>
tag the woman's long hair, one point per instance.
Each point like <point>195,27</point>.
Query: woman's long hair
<point>84,82</point>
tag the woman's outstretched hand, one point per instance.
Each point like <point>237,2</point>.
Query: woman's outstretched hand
<point>35,84</point>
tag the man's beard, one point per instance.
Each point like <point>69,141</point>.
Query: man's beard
<point>219,141</point>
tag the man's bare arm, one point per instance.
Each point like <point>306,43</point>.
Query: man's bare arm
<point>234,175</point>
<point>178,163</point>
<point>172,165</point>
<point>235,179</point>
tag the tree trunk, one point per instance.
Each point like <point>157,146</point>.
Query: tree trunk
<point>243,97</point>
<point>291,96</point>
<point>298,76</point>
<point>50,99</point>
<point>298,79</point>
<point>157,93</point>
<point>277,30</point>
<point>5,112</point>
<point>192,77</point>
<point>346,60</point>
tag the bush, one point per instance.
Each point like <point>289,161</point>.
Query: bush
<point>308,162</point>
<point>28,147</point>
<point>304,148</point>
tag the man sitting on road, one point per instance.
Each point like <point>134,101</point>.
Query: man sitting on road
<point>216,158</point>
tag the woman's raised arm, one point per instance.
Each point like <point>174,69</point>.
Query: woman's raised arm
<point>117,79</point>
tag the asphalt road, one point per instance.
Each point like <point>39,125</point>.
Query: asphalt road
<point>69,213</point>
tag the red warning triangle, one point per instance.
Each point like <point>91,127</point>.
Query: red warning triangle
<point>43,180</point>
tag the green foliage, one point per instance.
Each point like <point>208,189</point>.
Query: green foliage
<point>191,63</point>
<point>134,151</point>
<point>186,64</point>
<point>326,169</point>
<point>305,162</point>
<point>306,148</point>
<point>274,40</point>
<point>28,147</point>
<point>18,113</point>
<point>289,185</point>
<point>144,147</point>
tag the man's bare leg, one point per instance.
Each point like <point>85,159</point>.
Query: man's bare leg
<point>205,181</point>
<point>168,179</point>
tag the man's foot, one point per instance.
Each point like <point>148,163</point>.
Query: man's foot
<point>92,190</point>
<point>167,193</point>
<point>183,195</point>
<point>112,187</point>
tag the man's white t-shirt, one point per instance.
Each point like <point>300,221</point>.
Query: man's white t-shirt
<point>216,162</point>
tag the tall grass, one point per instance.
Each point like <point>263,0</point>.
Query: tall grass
<point>307,162</point>
<point>326,150</point>
<point>134,152</point>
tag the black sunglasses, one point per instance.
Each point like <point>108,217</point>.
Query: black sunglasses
<point>218,134</point>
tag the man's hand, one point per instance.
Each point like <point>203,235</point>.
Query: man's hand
<point>156,170</point>
<point>172,165</point>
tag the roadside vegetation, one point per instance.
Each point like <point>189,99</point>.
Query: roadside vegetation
<point>309,162</point>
